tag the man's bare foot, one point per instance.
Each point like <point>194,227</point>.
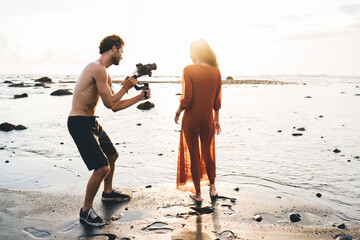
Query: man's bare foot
<point>196,197</point>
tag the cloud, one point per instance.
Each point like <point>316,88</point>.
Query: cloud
<point>4,44</point>
<point>292,18</point>
<point>350,9</point>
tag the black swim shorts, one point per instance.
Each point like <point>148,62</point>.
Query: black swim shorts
<point>91,140</point>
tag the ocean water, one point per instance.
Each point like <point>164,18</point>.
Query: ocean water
<point>256,148</point>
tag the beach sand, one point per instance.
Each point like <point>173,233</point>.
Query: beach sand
<point>162,212</point>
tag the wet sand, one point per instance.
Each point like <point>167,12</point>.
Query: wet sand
<point>162,212</point>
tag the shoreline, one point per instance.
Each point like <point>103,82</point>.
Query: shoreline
<point>162,212</point>
<point>226,82</point>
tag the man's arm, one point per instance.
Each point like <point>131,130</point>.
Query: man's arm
<point>110,84</point>
<point>122,104</point>
<point>105,91</point>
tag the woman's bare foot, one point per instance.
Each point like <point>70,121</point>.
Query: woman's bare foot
<point>196,197</point>
<point>213,192</point>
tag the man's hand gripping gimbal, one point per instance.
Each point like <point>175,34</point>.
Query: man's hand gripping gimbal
<point>143,70</point>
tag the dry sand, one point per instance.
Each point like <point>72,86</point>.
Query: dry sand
<point>162,212</point>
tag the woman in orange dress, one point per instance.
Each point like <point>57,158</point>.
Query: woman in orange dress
<point>201,101</point>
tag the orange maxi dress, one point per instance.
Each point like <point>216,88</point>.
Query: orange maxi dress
<point>201,95</point>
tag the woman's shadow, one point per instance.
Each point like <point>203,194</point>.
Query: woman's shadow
<point>198,234</point>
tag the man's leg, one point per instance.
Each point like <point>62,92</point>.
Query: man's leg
<point>108,187</point>
<point>93,186</point>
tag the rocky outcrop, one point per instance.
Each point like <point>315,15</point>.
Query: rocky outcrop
<point>24,95</point>
<point>6,127</point>
<point>18,85</point>
<point>61,92</point>
<point>44,80</point>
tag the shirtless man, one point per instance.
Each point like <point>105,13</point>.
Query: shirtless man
<point>94,145</point>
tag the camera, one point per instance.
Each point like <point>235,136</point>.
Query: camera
<point>141,70</point>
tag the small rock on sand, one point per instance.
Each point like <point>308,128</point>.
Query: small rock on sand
<point>295,217</point>
<point>343,238</point>
<point>341,226</point>
<point>258,218</point>
<point>336,150</point>
<point>146,105</point>
<point>20,127</point>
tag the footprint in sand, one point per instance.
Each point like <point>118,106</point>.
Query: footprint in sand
<point>99,237</point>
<point>37,233</point>
<point>159,227</point>
<point>227,234</point>
<point>70,227</point>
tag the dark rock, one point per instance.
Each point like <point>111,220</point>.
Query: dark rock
<point>295,217</point>
<point>336,150</point>
<point>61,92</point>
<point>301,129</point>
<point>321,116</point>
<point>7,161</point>
<point>279,130</point>
<point>341,226</point>
<point>344,238</point>
<point>160,154</point>
<point>6,127</point>
<point>24,95</point>
<point>229,78</point>
<point>237,189</point>
<point>356,157</point>
<point>357,94</point>
<point>308,97</point>
<point>297,134</point>
<point>40,85</point>
<point>20,127</point>
<point>43,80</point>
<point>139,124</point>
<point>18,85</point>
<point>319,195</point>
<point>146,105</point>
<point>178,94</point>
<point>349,160</point>
<point>258,218</point>
<point>148,186</point>
<point>7,81</point>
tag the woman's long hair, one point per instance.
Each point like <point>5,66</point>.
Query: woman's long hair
<point>202,51</point>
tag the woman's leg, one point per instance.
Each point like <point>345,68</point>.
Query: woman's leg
<point>192,141</point>
<point>207,150</point>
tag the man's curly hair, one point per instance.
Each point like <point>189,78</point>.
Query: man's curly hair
<point>108,42</point>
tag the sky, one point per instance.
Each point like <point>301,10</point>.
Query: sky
<point>249,37</point>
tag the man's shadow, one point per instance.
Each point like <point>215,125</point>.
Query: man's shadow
<point>110,210</point>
